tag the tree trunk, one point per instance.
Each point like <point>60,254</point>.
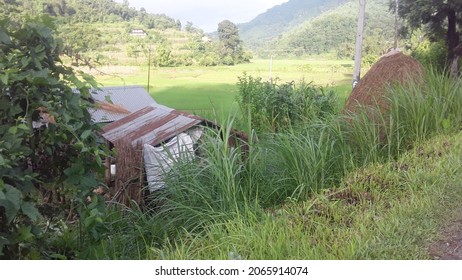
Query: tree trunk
<point>452,42</point>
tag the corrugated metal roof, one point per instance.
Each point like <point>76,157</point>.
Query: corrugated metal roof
<point>131,98</point>
<point>151,125</point>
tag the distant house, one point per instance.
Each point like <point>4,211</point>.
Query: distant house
<point>138,32</point>
<point>206,39</point>
<point>114,103</point>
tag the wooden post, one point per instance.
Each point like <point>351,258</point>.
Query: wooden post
<point>359,43</point>
<point>271,70</point>
<point>149,66</point>
<point>107,165</point>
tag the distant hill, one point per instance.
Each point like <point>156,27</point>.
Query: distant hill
<point>106,32</point>
<point>282,18</point>
<point>335,31</point>
<point>303,27</point>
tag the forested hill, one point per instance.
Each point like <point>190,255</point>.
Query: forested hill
<point>282,18</point>
<point>111,33</point>
<point>335,31</point>
<point>89,11</point>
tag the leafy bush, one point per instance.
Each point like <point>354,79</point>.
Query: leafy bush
<point>49,151</point>
<point>275,107</point>
<point>431,53</point>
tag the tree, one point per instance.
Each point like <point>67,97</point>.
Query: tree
<point>48,143</point>
<point>442,19</point>
<point>231,51</point>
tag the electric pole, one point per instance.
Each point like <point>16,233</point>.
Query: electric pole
<point>359,43</point>
<point>395,46</point>
<point>271,70</point>
<point>149,67</point>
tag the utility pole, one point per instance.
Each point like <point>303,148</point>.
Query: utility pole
<point>271,70</point>
<point>359,43</point>
<point>149,66</point>
<point>395,46</point>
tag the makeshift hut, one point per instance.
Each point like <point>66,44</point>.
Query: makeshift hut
<point>392,68</point>
<point>147,142</point>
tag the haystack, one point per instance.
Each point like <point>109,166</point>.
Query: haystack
<point>392,68</point>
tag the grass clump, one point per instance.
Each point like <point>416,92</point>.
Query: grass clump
<point>384,211</point>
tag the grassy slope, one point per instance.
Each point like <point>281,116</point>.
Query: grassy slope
<point>385,211</point>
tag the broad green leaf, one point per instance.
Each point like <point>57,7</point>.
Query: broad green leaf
<point>4,38</point>
<point>11,203</point>
<point>23,127</point>
<point>39,48</point>
<point>88,182</point>
<point>99,161</point>
<point>2,160</point>
<point>88,221</point>
<point>4,78</point>
<point>31,211</point>
<point>25,233</point>
<point>10,210</point>
<point>85,134</point>
<point>13,130</point>
<point>13,195</point>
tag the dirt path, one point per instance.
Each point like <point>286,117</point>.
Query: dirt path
<point>449,247</point>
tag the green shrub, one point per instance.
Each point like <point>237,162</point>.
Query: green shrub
<point>58,162</point>
<point>274,107</point>
<point>432,54</point>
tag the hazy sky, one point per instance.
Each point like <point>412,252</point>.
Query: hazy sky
<point>206,14</point>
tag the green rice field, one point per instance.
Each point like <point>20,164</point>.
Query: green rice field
<point>202,90</point>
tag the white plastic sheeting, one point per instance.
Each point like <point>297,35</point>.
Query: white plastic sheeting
<point>160,160</point>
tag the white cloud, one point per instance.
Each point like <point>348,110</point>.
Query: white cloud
<point>206,14</point>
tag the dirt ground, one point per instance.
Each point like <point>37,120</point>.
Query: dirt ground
<point>449,247</point>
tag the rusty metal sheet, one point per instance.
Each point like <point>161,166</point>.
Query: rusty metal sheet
<point>151,125</point>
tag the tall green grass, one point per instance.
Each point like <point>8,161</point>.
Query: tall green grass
<point>418,110</point>
<point>427,108</point>
<point>269,203</point>
<point>298,163</point>
<point>217,186</point>
<point>385,211</point>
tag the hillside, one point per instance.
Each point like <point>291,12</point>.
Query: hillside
<point>335,30</point>
<point>300,28</point>
<point>282,18</point>
<point>87,11</point>
<point>105,32</point>
<point>100,30</point>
